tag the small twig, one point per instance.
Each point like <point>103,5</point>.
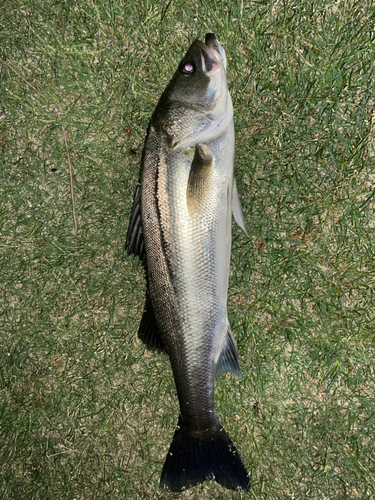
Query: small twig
<point>22,78</point>
<point>58,112</point>
<point>362,205</point>
<point>165,11</point>
<point>130,455</point>
<point>70,171</point>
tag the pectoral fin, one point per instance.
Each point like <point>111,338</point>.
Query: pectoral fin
<point>237,209</point>
<point>228,360</point>
<point>199,179</point>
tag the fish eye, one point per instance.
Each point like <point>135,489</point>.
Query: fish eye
<point>187,68</point>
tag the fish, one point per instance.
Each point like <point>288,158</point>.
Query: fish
<point>181,229</point>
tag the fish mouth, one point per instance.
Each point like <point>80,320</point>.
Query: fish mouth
<point>212,55</point>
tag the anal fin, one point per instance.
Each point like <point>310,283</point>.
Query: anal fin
<point>228,360</point>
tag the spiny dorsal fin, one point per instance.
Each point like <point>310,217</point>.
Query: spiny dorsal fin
<point>228,360</point>
<point>134,238</point>
<point>237,209</point>
<point>148,329</point>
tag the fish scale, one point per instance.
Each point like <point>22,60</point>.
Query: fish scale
<point>186,196</point>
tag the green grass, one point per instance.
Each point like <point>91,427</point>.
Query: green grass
<point>85,411</point>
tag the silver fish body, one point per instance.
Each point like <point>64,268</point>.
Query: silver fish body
<point>181,229</point>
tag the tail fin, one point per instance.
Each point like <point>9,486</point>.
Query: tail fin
<point>191,460</point>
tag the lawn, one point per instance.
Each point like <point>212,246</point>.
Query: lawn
<point>86,412</point>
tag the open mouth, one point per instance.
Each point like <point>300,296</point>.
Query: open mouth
<point>212,54</point>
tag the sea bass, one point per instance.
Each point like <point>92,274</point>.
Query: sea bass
<point>180,228</point>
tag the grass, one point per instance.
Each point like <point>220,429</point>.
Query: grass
<point>85,411</point>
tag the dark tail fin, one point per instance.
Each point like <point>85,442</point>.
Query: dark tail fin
<point>191,460</point>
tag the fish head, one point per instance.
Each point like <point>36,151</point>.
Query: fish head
<point>200,80</point>
<point>196,105</point>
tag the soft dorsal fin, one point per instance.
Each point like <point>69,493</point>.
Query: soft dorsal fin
<point>134,238</point>
<point>237,209</point>
<point>148,329</point>
<point>228,360</point>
